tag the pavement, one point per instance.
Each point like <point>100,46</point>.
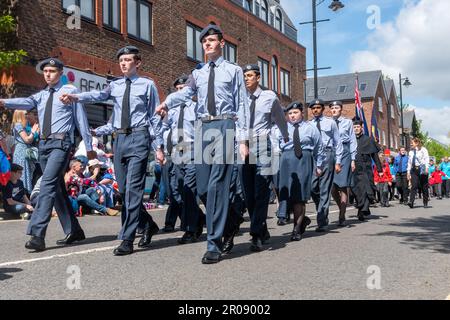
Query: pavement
<point>399,253</point>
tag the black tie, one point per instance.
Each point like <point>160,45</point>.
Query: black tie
<point>337,123</point>
<point>414,158</point>
<point>125,124</point>
<point>181,123</point>
<point>211,94</point>
<point>400,165</point>
<point>297,145</point>
<point>47,129</point>
<point>169,146</point>
<point>318,125</point>
<point>252,110</point>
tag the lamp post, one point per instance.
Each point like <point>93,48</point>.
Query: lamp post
<point>335,6</point>
<point>407,83</point>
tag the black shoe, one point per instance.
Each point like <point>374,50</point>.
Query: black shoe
<point>426,206</point>
<point>36,244</point>
<point>341,222</point>
<point>411,205</point>
<point>322,229</point>
<point>71,238</point>
<point>305,223</point>
<point>266,237</point>
<point>296,236</point>
<point>281,222</point>
<point>228,245</point>
<point>211,257</point>
<point>147,236</point>
<point>361,216</point>
<point>188,237</point>
<point>256,245</point>
<point>125,248</point>
<point>169,229</point>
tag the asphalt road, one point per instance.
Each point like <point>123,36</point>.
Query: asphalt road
<point>398,254</point>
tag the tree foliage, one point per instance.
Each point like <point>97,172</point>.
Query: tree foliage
<point>8,57</point>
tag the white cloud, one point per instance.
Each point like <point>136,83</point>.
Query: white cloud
<point>435,122</point>
<point>416,44</point>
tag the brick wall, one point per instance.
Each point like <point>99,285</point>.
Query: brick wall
<point>43,32</point>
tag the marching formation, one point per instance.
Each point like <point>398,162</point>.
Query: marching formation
<point>222,141</point>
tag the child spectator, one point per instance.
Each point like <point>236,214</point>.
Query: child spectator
<point>383,181</point>
<point>436,181</point>
<point>15,200</point>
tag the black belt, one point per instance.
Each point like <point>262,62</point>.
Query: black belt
<point>131,130</point>
<point>55,136</point>
<point>219,117</point>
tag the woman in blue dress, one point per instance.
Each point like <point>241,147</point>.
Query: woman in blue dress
<point>23,141</point>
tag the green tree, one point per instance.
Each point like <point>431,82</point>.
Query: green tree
<point>437,150</point>
<point>417,130</point>
<point>8,57</point>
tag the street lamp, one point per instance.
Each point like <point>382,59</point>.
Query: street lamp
<point>335,6</point>
<point>407,83</point>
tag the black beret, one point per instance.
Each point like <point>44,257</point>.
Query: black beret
<point>15,167</point>
<point>294,105</point>
<point>336,103</point>
<point>127,50</point>
<point>181,80</point>
<point>251,67</point>
<point>357,122</point>
<point>210,30</point>
<point>52,62</point>
<point>316,102</point>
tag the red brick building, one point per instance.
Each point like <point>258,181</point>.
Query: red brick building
<point>378,97</point>
<point>166,32</point>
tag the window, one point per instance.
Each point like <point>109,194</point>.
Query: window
<point>248,5</point>
<point>285,82</point>
<point>87,7</point>
<point>384,138</point>
<point>380,104</point>
<point>362,86</point>
<point>229,52</point>
<point>257,8</point>
<point>194,46</point>
<point>271,19</point>
<point>392,111</point>
<point>264,11</point>
<point>274,65</point>
<point>322,91</point>
<point>111,14</point>
<point>278,20</point>
<point>342,89</point>
<point>264,67</point>
<point>139,13</point>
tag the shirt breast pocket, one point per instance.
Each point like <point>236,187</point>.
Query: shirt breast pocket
<point>140,95</point>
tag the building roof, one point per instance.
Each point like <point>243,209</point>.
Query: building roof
<point>388,84</point>
<point>328,86</point>
<point>408,116</point>
<point>287,20</point>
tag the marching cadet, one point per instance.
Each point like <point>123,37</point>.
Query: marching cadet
<point>367,151</point>
<point>57,122</point>
<point>180,145</point>
<point>134,99</point>
<point>298,156</point>
<point>220,90</point>
<point>321,185</point>
<point>256,173</point>
<point>342,180</point>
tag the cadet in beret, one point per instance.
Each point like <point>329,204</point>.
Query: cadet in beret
<point>222,105</point>
<point>134,122</point>
<point>299,154</point>
<point>180,168</point>
<point>256,174</point>
<point>57,122</point>
<point>342,180</point>
<point>321,188</point>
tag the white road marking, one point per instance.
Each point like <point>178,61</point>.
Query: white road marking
<point>13,263</point>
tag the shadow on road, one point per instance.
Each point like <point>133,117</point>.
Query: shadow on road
<point>4,273</point>
<point>434,234</point>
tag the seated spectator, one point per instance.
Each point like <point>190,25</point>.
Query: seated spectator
<point>15,200</point>
<point>103,179</point>
<point>94,199</point>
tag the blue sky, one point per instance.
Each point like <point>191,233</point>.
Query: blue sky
<point>402,42</point>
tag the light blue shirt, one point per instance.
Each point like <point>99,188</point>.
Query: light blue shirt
<point>64,117</point>
<point>268,111</point>
<point>330,136</point>
<point>348,135</point>
<point>190,117</point>
<point>309,140</point>
<point>143,100</point>
<point>229,89</point>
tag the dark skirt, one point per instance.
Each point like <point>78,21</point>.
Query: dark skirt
<point>343,179</point>
<point>295,177</point>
